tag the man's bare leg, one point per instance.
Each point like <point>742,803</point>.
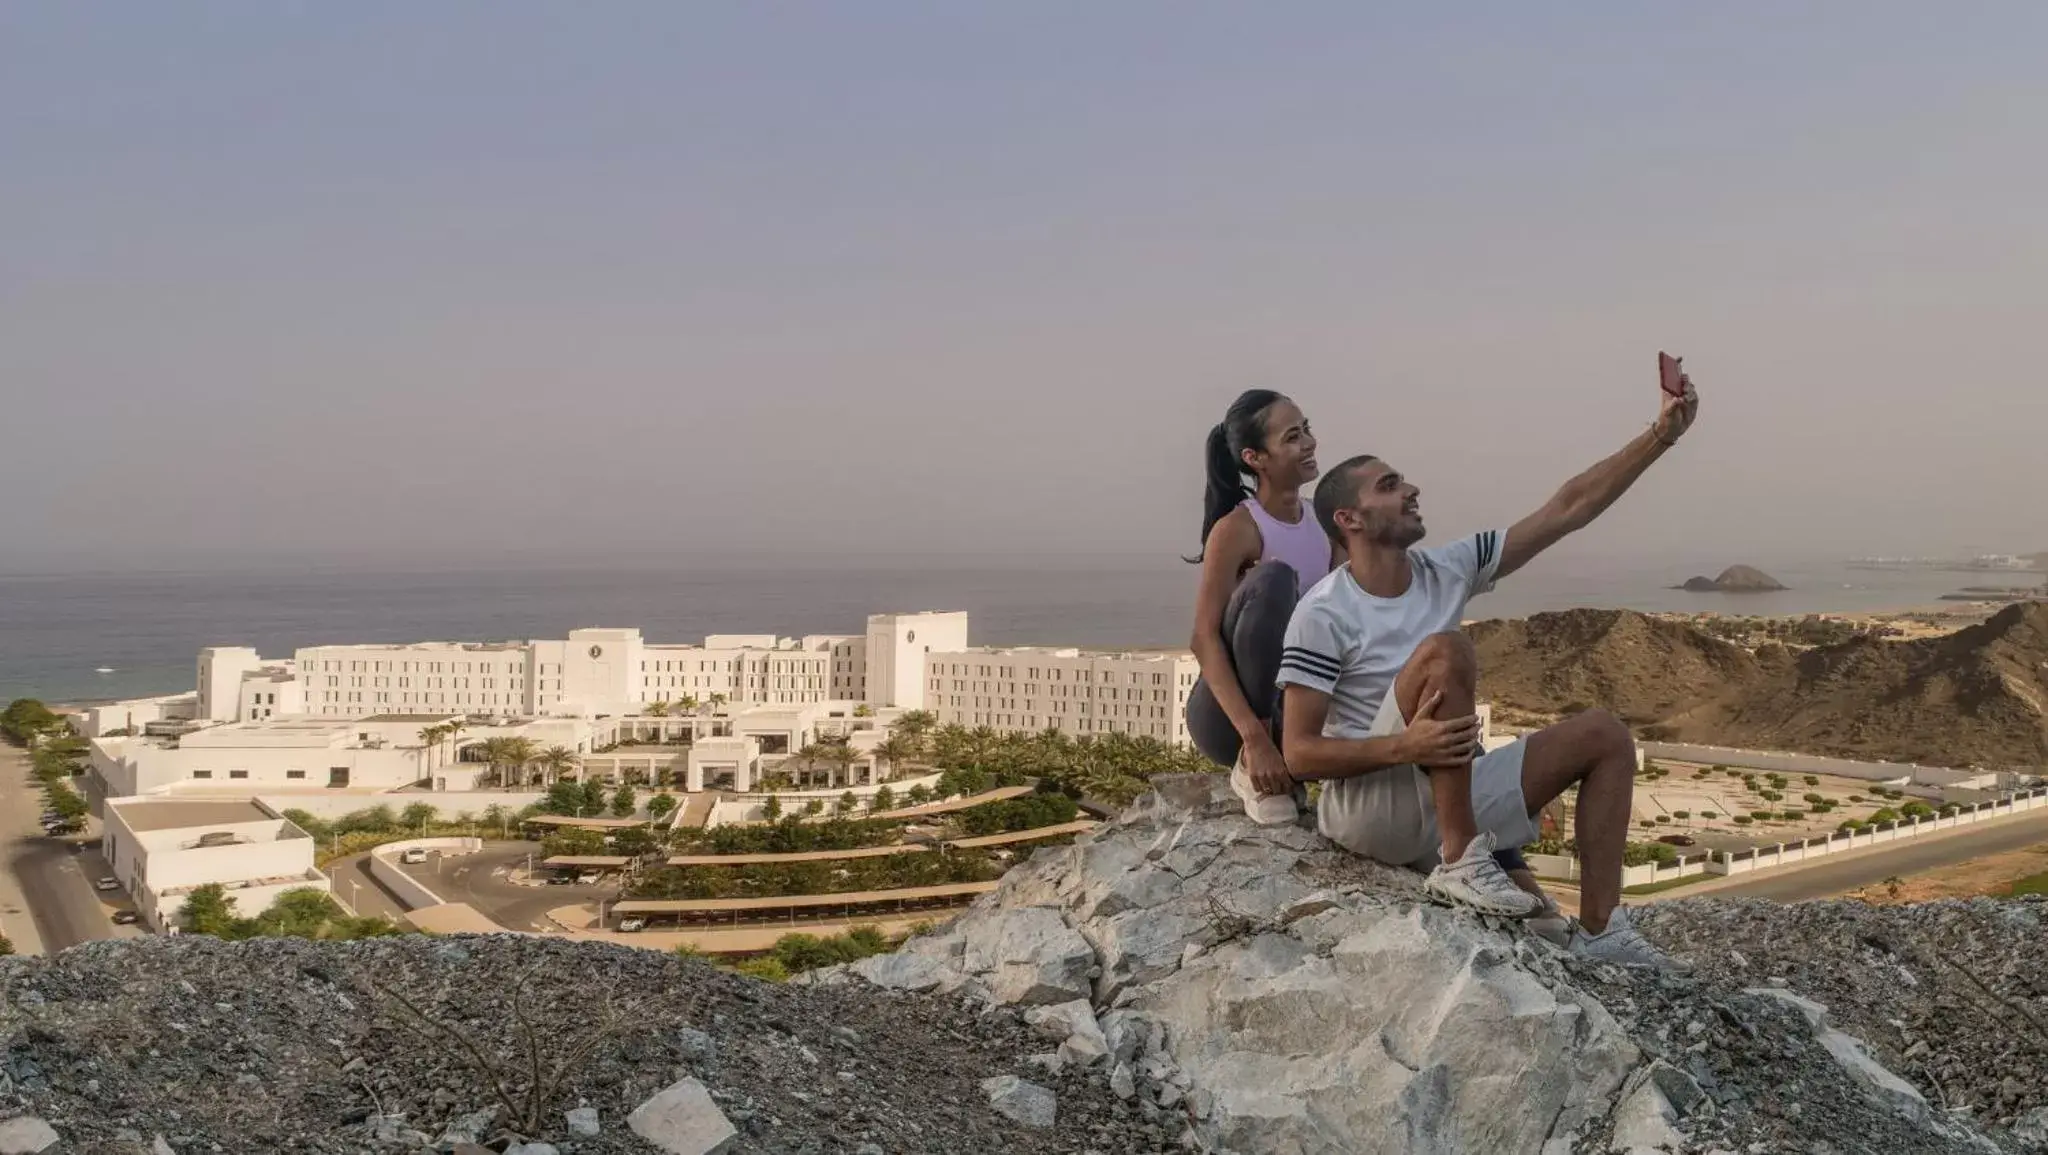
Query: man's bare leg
<point>1595,751</point>
<point>1445,664</point>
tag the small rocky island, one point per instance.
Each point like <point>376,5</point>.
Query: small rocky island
<point>1736,579</point>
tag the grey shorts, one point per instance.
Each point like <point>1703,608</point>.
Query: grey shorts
<point>1389,815</point>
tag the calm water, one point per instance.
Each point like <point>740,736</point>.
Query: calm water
<point>56,630</point>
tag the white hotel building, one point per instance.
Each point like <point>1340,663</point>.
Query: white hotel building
<point>348,717</point>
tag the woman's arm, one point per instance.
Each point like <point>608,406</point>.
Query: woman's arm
<point>1233,547</point>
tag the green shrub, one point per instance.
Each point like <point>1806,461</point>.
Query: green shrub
<point>1762,815</point>
<point>1681,815</point>
<point>1816,799</point>
<point>1813,780</point>
<point>1663,819</point>
<point>767,968</point>
<point>1773,796</point>
<point>1709,815</point>
<point>1743,820</point>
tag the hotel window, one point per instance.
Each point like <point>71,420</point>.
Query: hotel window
<point>202,774</point>
<point>295,773</point>
<point>238,773</point>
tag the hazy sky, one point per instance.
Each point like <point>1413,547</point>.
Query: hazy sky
<point>424,282</point>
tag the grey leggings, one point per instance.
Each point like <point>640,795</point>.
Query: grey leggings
<point>1255,631</point>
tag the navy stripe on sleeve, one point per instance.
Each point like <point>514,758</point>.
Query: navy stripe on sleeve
<point>1310,661</point>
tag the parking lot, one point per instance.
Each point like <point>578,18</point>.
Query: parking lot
<point>493,881</point>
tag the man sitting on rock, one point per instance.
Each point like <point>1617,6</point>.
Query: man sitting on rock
<point>1380,699</point>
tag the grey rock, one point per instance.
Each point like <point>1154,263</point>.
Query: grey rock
<point>532,1149</point>
<point>1853,1057</point>
<point>696,1045</point>
<point>1644,1118</point>
<point>1027,1103</point>
<point>583,1123</point>
<point>683,1120</point>
<point>161,1146</point>
<point>1122,1083</point>
<point>26,1135</point>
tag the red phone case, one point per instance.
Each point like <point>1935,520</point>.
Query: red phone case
<point>1670,374</point>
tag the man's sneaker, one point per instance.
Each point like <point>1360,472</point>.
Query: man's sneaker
<point>1477,881</point>
<point>1264,809</point>
<point>1622,943</point>
<point>1551,924</point>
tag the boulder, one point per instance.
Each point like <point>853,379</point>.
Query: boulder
<point>1027,1103</point>
<point>26,1135</point>
<point>683,1120</point>
<point>1850,1053</point>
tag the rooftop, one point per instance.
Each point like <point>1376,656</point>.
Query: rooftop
<point>155,814</point>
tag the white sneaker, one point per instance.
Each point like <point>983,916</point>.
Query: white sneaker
<point>1477,881</point>
<point>1552,925</point>
<point>1264,809</point>
<point>1622,943</point>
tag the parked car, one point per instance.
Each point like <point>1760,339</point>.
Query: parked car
<point>559,880</point>
<point>413,856</point>
<point>590,878</point>
<point>632,924</point>
<point>126,918</point>
<point>1676,840</point>
<point>108,883</point>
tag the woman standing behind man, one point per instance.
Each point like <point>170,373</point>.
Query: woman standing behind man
<point>1262,548</point>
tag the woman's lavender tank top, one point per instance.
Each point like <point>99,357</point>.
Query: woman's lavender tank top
<point>1301,545</point>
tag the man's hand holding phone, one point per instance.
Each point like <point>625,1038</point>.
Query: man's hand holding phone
<point>1681,400</point>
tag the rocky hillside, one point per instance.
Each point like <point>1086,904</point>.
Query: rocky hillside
<point>1179,980</point>
<point>1979,696</point>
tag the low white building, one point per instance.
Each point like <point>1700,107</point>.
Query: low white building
<point>161,849</point>
<point>382,751</point>
<point>131,715</point>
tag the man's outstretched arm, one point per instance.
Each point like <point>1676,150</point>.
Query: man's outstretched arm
<point>1587,496</point>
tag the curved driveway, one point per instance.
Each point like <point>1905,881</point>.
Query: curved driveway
<point>483,880</point>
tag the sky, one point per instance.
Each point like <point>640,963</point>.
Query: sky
<point>386,283</point>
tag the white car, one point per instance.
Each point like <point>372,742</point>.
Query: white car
<point>413,856</point>
<point>107,884</point>
<point>589,878</point>
<point>632,924</point>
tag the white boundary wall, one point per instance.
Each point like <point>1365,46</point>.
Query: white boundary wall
<point>1785,853</point>
<point>412,893</point>
<point>1902,772</point>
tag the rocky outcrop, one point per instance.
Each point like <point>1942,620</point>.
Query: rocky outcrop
<point>1285,996</point>
<point>1736,579</point>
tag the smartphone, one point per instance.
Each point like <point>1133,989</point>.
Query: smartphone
<point>1671,374</point>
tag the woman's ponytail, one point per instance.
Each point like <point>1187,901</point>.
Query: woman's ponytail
<point>1243,427</point>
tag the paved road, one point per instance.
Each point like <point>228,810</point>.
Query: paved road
<point>483,880</point>
<point>1836,875</point>
<point>358,888</point>
<point>47,902</point>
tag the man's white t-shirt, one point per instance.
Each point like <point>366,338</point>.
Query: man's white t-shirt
<point>1344,642</point>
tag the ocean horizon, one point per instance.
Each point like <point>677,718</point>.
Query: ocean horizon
<point>58,630</point>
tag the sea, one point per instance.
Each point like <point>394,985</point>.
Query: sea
<point>87,636</point>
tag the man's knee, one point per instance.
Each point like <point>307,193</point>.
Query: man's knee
<point>1447,655</point>
<point>1600,735</point>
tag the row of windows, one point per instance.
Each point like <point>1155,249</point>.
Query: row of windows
<point>1032,722</point>
<point>372,666</point>
<point>1030,690</point>
<point>1056,674</point>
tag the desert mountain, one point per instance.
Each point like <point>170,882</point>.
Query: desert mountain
<point>1976,697</point>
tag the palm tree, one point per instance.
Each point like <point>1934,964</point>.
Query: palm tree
<point>842,757</point>
<point>808,759</point>
<point>915,727</point>
<point>452,730</point>
<point>895,750</point>
<point>656,709</point>
<point>556,761</point>
<point>508,754</point>
<point>430,737</point>
<point>688,702</point>
<point>498,816</point>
